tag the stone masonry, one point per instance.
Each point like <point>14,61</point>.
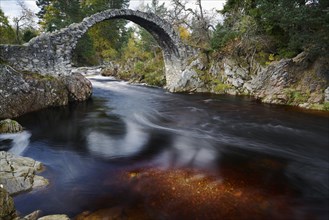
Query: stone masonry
<point>51,53</point>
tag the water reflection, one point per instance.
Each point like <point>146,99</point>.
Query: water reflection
<point>108,146</point>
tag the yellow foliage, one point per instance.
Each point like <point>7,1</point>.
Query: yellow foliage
<point>109,54</point>
<point>184,33</point>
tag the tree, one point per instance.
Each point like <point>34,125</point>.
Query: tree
<point>24,20</point>
<point>42,4</point>
<point>194,19</point>
<point>297,25</point>
<point>56,14</point>
<point>108,36</point>
<point>156,8</point>
<point>279,27</point>
<point>7,35</point>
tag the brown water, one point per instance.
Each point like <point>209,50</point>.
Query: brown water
<point>135,152</point>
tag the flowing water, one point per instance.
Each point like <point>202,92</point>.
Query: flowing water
<point>143,153</point>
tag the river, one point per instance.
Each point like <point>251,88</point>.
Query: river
<point>141,152</point>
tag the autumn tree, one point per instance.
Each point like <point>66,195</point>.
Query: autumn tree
<point>195,19</point>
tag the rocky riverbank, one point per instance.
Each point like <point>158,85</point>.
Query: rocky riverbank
<point>301,81</point>
<point>22,92</point>
<point>17,174</point>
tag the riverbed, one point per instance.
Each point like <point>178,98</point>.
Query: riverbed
<point>141,152</point>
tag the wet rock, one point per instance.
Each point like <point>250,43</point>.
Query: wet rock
<point>33,216</point>
<point>54,217</point>
<point>7,208</point>
<point>10,126</point>
<point>18,174</point>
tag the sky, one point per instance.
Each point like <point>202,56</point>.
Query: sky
<point>11,9</point>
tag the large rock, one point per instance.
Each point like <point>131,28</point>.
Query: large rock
<point>10,126</point>
<point>190,78</point>
<point>18,174</point>
<point>7,207</point>
<point>298,81</point>
<point>25,92</point>
<point>79,88</point>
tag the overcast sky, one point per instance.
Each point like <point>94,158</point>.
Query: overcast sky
<point>11,9</point>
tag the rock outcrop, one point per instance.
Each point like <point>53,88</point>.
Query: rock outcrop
<point>18,174</point>
<point>25,92</point>
<point>296,81</point>
<point>299,81</point>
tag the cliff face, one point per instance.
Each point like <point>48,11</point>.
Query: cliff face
<point>25,92</point>
<point>298,81</point>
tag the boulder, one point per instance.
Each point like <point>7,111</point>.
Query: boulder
<point>79,88</point>
<point>7,207</point>
<point>25,92</point>
<point>18,174</point>
<point>10,126</point>
<point>292,81</point>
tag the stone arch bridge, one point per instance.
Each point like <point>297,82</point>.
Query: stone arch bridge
<point>51,53</point>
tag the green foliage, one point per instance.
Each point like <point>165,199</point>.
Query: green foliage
<point>84,53</point>
<point>326,106</point>
<point>222,36</point>
<point>220,88</point>
<point>296,97</point>
<point>146,60</point>
<point>291,25</point>
<point>7,34</point>
<point>28,34</point>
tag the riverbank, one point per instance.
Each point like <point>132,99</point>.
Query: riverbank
<point>300,81</point>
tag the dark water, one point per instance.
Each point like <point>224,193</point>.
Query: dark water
<point>244,159</point>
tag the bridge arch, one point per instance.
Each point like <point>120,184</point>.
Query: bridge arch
<point>51,53</point>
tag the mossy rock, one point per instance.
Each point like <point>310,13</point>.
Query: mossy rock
<point>10,126</point>
<point>7,207</point>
